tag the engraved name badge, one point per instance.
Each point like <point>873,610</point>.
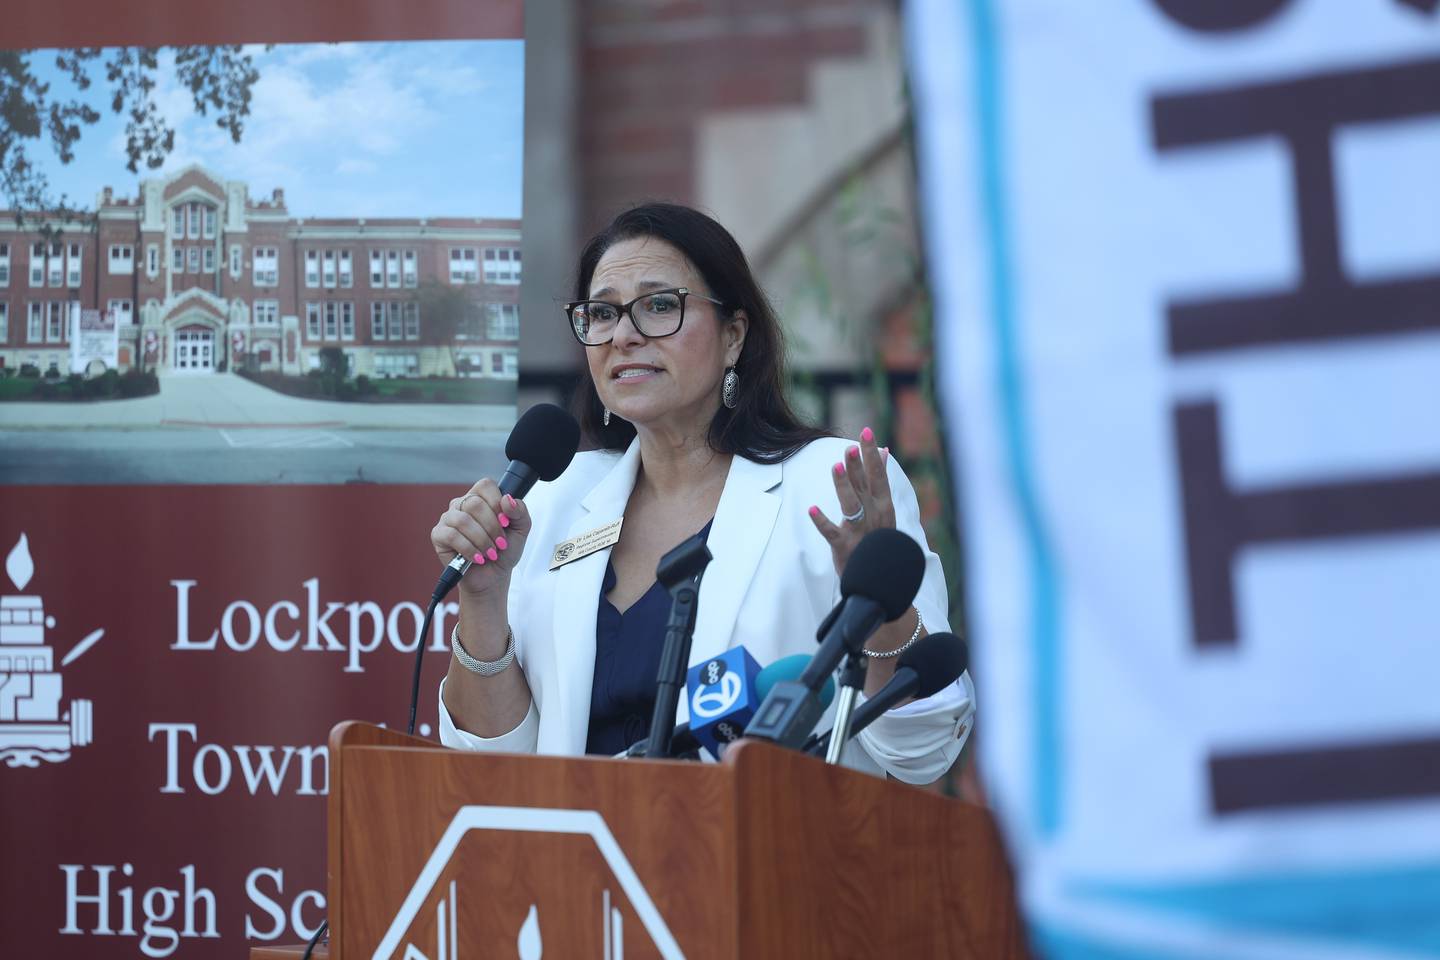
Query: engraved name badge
<point>586,543</point>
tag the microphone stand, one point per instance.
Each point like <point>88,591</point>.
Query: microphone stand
<point>679,571</point>
<point>852,679</point>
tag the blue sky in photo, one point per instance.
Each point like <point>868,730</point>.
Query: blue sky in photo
<point>346,130</point>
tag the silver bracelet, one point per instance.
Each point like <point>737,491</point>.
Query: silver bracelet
<point>919,625</point>
<point>486,668</point>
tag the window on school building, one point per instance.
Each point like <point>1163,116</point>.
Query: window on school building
<point>267,267</point>
<point>122,311</point>
<point>312,268</point>
<point>412,321</point>
<point>193,259</point>
<point>392,268</point>
<point>209,259</point>
<point>377,320</point>
<point>122,258</point>
<point>329,269</point>
<point>377,268</point>
<point>37,265</point>
<point>177,260</point>
<point>4,322</point>
<point>236,260</point>
<point>347,320</point>
<point>502,321</point>
<point>412,274</point>
<point>35,322</point>
<point>397,364</point>
<point>312,321</point>
<point>332,310</point>
<point>72,265</point>
<point>464,268</point>
<point>4,264</point>
<point>267,313</point>
<point>152,259</point>
<point>347,278</point>
<point>57,321</point>
<point>502,265</point>
<point>55,265</point>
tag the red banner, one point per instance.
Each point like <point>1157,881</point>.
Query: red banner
<point>186,650</point>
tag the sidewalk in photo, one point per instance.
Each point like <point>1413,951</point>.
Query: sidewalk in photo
<point>225,400</point>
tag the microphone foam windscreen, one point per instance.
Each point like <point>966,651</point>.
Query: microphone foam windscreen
<point>790,668</point>
<point>887,567</point>
<point>545,438</point>
<point>938,659</point>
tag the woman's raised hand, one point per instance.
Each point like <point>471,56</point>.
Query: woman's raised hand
<point>487,527</point>
<point>864,492</point>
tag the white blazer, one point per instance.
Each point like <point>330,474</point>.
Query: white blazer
<point>771,582</point>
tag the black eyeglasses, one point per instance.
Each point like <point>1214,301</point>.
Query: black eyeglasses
<point>655,314</point>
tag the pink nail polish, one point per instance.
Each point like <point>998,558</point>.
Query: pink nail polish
<point>853,452</point>
<point>501,543</point>
<point>814,511</point>
<point>509,501</point>
<point>504,520</point>
<point>479,559</point>
<point>867,434</point>
<point>884,453</point>
<point>492,554</point>
<point>839,469</point>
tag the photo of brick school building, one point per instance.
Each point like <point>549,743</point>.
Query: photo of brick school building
<point>202,278</point>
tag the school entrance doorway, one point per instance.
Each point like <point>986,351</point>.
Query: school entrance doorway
<point>194,351</point>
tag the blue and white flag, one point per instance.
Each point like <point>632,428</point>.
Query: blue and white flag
<point>1186,268</point>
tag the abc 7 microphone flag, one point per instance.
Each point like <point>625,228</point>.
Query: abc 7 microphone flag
<point>722,697</point>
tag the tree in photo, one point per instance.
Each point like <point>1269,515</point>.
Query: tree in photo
<point>220,80</point>
<point>449,316</point>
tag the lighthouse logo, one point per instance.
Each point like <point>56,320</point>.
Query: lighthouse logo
<point>33,726</point>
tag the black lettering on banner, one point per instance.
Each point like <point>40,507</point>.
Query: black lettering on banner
<point>1325,306</point>
<point>1220,16</point>
<point>1305,113</point>
<point>1220,521</point>
<point>1352,773</point>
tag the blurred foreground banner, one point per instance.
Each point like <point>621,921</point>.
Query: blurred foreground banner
<point>1187,254</point>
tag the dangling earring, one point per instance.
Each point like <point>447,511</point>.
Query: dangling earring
<point>728,389</point>
<point>605,420</point>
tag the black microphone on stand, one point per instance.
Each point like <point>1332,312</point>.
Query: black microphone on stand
<point>878,584</point>
<point>935,662</point>
<point>541,445</point>
<point>679,572</point>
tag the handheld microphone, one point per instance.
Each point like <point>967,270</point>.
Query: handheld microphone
<point>541,445</point>
<point>935,662</point>
<point>880,580</point>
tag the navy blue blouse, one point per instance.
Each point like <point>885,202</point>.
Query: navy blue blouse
<point>627,661</point>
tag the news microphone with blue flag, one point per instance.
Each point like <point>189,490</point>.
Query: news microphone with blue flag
<point>877,586</point>
<point>723,693</point>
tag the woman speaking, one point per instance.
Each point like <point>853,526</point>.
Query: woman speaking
<point>684,399</point>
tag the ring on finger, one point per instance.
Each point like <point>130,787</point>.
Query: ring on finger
<point>855,517</point>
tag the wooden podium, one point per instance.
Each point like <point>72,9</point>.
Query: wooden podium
<point>464,855</point>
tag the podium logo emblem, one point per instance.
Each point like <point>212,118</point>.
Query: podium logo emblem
<point>33,725</point>
<point>528,932</point>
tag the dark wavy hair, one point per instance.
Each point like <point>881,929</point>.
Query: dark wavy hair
<point>762,427</point>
